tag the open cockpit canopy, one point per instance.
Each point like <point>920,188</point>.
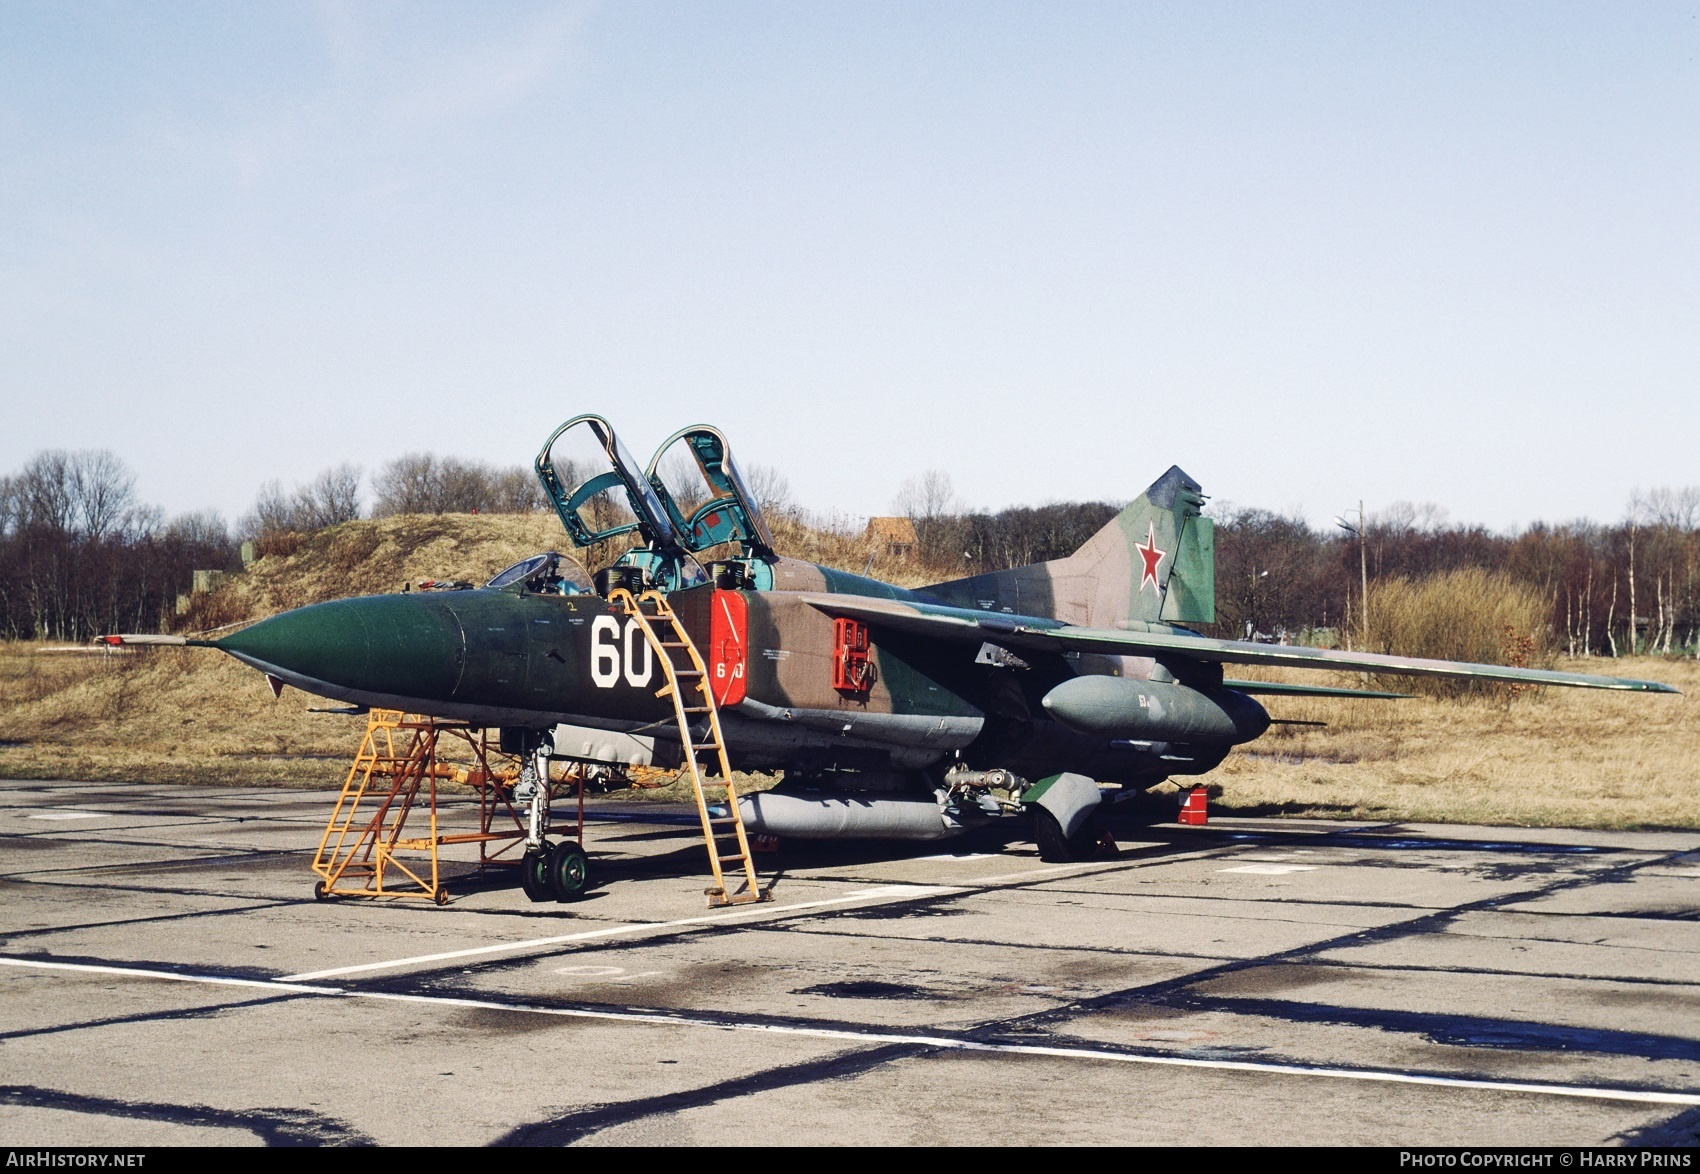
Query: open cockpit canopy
<point>690,499</point>
<point>598,490</point>
<point>707,499</point>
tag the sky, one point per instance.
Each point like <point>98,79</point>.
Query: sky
<point>1312,252</point>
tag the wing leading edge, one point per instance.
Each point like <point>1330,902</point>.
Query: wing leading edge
<point>1045,635</point>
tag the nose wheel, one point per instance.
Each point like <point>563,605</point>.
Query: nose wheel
<point>534,873</point>
<point>569,870</point>
<point>554,872</point>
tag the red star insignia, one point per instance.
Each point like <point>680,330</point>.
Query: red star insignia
<point>1152,556</point>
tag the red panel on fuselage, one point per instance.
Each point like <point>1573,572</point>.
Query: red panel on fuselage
<point>728,647</point>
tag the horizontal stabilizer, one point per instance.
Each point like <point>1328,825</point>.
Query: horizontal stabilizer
<point>1282,689</point>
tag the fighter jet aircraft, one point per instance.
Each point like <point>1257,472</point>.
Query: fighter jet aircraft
<point>892,713</point>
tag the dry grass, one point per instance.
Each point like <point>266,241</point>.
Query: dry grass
<point>847,548</point>
<point>369,557</point>
<point>1554,757</point>
<point>161,715</point>
<point>186,716</point>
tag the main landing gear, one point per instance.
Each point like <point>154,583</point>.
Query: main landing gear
<point>1089,842</point>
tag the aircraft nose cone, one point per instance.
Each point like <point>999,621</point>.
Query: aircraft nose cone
<point>382,644</point>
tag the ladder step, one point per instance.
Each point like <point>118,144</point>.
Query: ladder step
<point>738,856</point>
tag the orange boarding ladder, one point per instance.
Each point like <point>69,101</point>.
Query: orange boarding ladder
<point>693,702</point>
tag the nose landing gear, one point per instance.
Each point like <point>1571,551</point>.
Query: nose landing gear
<point>558,871</point>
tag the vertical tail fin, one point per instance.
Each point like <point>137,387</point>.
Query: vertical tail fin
<point>1154,562</point>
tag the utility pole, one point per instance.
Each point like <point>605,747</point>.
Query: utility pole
<point>1251,597</point>
<point>1363,565</point>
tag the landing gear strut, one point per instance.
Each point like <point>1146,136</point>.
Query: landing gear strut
<point>548,871</point>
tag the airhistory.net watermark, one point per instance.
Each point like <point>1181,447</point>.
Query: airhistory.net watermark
<point>1542,1159</point>
<point>62,1159</point>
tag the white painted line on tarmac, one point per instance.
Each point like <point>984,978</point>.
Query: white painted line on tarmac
<point>1271,869</point>
<point>265,984</point>
<point>1091,867</point>
<point>943,1043</point>
<point>883,893</point>
<point>1034,873</point>
<point>69,815</point>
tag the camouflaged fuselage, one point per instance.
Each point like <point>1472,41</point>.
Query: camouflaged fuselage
<point>511,657</point>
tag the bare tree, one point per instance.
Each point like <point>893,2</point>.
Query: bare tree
<point>926,498</point>
<point>465,486</point>
<point>272,513</point>
<point>1677,508</point>
<point>927,501</point>
<point>80,555</point>
<point>10,505</point>
<point>420,483</point>
<point>771,489</point>
<point>683,478</point>
<point>91,493</point>
<point>44,491</point>
<point>1410,517</point>
<point>103,492</point>
<point>200,527</point>
<point>410,484</point>
<point>331,497</point>
<point>516,490</point>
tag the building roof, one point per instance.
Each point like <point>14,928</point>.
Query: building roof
<point>892,531</point>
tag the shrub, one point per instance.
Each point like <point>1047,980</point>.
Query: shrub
<point>1469,614</point>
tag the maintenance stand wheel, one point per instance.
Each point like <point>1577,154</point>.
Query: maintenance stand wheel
<point>442,896</point>
<point>534,873</point>
<point>1057,848</point>
<point>569,870</point>
<point>321,891</point>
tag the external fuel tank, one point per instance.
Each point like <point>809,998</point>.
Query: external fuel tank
<point>1158,711</point>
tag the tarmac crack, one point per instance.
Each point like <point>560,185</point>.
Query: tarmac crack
<point>1428,923</point>
<point>1470,1031</point>
<point>150,1017</point>
<point>149,865</point>
<point>582,1123</point>
<point>6,936</point>
<point>274,1126</point>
